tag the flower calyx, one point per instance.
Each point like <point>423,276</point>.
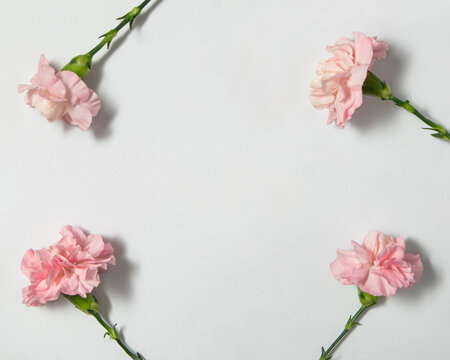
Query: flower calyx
<point>80,65</point>
<point>89,305</point>
<point>366,299</point>
<point>374,86</point>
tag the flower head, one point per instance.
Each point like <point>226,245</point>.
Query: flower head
<point>338,84</point>
<point>379,266</point>
<point>61,95</point>
<point>71,266</point>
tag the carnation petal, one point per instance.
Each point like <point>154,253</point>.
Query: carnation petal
<point>340,272</point>
<point>340,78</point>
<point>363,49</point>
<point>362,253</point>
<point>379,266</point>
<point>77,90</point>
<point>55,93</point>
<point>321,102</point>
<point>95,245</point>
<point>43,60</point>
<point>70,266</point>
<point>22,87</point>
<point>390,252</point>
<point>379,49</point>
<point>371,243</point>
<point>79,116</point>
<point>397,276</point>
<point>358,76</point>
<point>377,285</point>
<point>342,267</point>
<point>400,241</point>
<point>47,79</point>
<point>93,103</point>
<point>416,267</point>
<point>74,232</point>
<point>27,262</point>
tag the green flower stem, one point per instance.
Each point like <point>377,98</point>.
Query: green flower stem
<point>110,35</point>
<point>366,301</point>
<point>112,332</point>
<point>81,64</point>
<point>89,305</point>
<point>441,132</point>
<point>352,321</point>
<point>374,86</point>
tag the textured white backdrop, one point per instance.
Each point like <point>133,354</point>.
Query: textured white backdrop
<point>222,189</point>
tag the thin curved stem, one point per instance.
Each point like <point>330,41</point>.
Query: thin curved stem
<point>110,35</point>
<point>374,86</point>
<point>90,306</point>
<point>112,332</point>
<point>352,321</point>
<point>441,132</point>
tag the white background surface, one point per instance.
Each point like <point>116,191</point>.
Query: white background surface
<point>221,188</point>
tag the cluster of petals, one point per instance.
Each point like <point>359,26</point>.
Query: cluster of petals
<point>338,84</point>
<point>71,266</point>
<point>61,95</point>
<point>379,266</point>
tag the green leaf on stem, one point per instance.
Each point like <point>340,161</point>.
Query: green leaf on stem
<point>108,37</point>
<point>131,16</point>
<point>437,135</point>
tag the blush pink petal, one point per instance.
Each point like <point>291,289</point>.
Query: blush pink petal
<point>61,95</point>
<point>374,241</point>
<point>95,245</point>
<point>390,254</point>
<point>84,103</point>
<point>379,266</point>
<point>47,82</point>
<point>377,285</point>
<point>363,49</point>
<point>416,267</point>
<point>22,87</point>
<point>347,268</point>
<point>338,85</point>
<point>342,267</point>
<point>36,265</point>
<point>79,93</point>
<point>73,233</point>
<point>362,254</point>
<point>79,116</point>
<point>71,266</point>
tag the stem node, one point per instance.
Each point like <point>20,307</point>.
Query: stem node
<point>128,18</point>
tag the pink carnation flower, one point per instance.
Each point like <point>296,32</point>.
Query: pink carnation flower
<point>338,85</point>
<point>379,266</point>
<point>61,95</point>
<point>71,266</point>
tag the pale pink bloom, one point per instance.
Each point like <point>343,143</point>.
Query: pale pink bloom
<point>61,95</point>
<point>338,84</point>
<point>71,266</point>
<point>379,266</point>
